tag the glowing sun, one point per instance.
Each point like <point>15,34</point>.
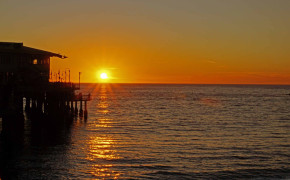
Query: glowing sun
<point>104,76</point>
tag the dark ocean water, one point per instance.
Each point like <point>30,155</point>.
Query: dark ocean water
<point>162,132</point>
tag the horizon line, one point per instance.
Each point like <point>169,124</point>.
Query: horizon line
<point>185,83</point>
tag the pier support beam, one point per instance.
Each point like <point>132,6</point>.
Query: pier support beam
<point>81,108</point>
<point>86,111</point>
<point>76,107</point>
<point>72,106</point>
<point>27,104</point>
<point>39,105</point>
<point>45,107</point>
<point>33,105</point>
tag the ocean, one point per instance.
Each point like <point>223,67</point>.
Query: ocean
<point>160,131</point>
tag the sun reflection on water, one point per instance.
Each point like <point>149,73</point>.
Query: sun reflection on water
<point>103,106</point>
<point>103,123</point>
<point>101,146</point>
<point>103,171</point>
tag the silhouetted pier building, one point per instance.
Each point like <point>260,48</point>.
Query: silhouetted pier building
<point>24,79</point>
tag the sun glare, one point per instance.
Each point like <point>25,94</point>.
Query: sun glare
<point>104,76</point>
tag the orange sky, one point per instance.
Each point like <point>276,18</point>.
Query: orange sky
<point>158,41</point>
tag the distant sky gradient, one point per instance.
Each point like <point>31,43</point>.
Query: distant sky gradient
<point>158,41</point>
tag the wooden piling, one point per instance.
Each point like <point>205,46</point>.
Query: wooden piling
<point>86,111</point>
<point>33,104</point>
<point>81,108</point>
<point>72,106</point>
<point>27,104</point>
<point>76,107</point>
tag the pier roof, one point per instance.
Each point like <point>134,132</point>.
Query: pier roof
<point>18,48</point>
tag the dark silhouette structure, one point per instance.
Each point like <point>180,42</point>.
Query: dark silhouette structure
<point>24,81</point>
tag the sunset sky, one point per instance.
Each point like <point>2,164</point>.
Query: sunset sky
<point>158,41</point>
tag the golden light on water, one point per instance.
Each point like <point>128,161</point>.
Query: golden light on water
<point>103,171</point>
<point>102,146</point>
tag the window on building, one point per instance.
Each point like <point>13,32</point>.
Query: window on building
<point>34,61</point>
<point>45,61</point>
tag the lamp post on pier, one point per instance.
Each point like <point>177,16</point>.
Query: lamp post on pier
<point>80,80</point>
<point>68,74</point>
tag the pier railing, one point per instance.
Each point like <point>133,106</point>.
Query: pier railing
<point>82,97</point>
<point>67,85</point>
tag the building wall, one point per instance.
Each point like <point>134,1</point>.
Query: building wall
<point>24,69</point>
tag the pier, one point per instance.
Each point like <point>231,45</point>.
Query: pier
<point>26,87</point>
